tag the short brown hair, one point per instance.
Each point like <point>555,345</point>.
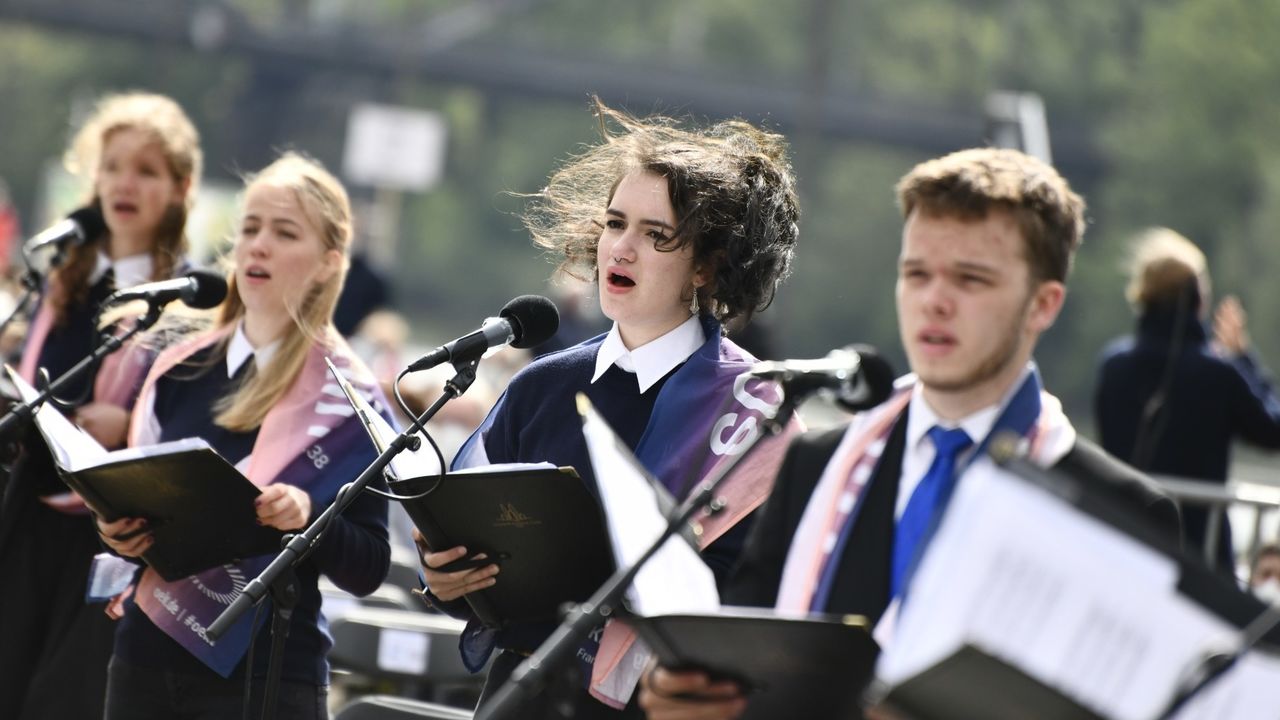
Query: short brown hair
<point>971,183</point>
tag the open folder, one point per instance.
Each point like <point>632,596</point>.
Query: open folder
<point>198,507</point>
<point>1038,599</point>
<point>806,667</point>
<point>540,524</point>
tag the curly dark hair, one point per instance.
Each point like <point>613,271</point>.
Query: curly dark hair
<point>730,186</point>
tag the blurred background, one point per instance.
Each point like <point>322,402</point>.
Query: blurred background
<point>434,112</point>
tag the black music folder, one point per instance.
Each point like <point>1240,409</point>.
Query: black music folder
<point>962,685</point>
<point>199,508</point>
<point>539,524</point>
<point>809,667</point>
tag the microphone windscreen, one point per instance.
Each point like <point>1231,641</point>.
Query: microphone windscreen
<point>91,223</point>
<point>211,289</point>
<point>533,318</point>
<point>877,379</point>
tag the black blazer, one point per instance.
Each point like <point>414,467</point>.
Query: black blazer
<point>862,581</point>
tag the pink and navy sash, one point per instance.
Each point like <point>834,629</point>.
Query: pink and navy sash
<point>1032,413</point>
<point>309,427</point>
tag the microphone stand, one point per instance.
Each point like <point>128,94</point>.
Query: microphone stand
<point>279,579</point>
<point>23,412</point>
<point>533,674</point>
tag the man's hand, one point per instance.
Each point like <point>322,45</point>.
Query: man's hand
<point>452,585</point>
<point>711,701</point>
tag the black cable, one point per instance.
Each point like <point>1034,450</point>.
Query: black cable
<point>1155,418</point>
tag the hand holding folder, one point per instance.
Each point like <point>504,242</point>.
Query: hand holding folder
<point>539,523</point>
<point>198,508</point>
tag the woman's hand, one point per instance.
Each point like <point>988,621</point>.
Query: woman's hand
<point>669,695</point>
<point>127,537</point>
<point>283,507</point>
<point>452,585</point>
<point>106,423</point>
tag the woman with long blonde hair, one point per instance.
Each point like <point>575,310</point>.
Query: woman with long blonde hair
<point>256,388</point>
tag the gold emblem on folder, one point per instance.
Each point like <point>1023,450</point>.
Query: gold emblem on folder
<point>509,516</point>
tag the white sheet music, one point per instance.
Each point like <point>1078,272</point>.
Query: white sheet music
<point>1068,599</point>
<point>675,579</point>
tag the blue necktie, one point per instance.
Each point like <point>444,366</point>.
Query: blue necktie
<point>929,496</point>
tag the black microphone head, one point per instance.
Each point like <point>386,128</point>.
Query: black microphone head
<point>877,378</point>
<point>91,223</point>
<point>210,290</point>
<point>534,319</point>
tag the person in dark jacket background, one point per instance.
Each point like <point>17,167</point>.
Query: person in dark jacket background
<point>1168,400</point>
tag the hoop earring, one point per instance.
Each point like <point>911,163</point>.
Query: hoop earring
<point>693,302</point>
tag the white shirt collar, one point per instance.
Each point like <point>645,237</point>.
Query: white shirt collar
<point>239,350</point>
<point>919,452</point>
<point>652,361</point>
<point>129,271</point>
<point>921,417</point>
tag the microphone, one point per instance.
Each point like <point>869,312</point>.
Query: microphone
<point>76,229</point>
<point>856,375</point>
<point>200,289</point>
<point>524,322</point>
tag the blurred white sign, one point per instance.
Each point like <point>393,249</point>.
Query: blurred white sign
<point>394,147</point>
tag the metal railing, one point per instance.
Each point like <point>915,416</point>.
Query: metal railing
<point>1261,498</point>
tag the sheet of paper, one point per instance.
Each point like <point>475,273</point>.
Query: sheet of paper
<point>675,579</point>
<point>1083,607</point>
<point>71,447</point>
<point>406,464</point>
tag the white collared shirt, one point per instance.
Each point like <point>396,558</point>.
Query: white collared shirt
<point>238,352</point>
<point>129,271</point>
<point>919,452</point>
<point>652,361</point>
<point>240,349</point>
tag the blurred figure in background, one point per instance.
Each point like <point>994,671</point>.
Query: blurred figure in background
<point>1264,576</point>
<point>141,155</point>
<point>365,292</point>
<point>579,318</point>
<point>1168,400</point>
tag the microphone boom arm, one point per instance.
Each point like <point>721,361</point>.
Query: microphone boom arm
<point>23,412</point>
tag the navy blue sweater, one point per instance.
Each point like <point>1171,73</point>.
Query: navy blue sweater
<point>539,422</point>
<point>354,551</point>
<point>1210,401</point>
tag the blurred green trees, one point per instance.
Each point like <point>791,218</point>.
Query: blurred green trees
<point>1170,104</point>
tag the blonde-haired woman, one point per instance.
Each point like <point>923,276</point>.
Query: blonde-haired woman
<point>255,387</point>
<point>140,155</point>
